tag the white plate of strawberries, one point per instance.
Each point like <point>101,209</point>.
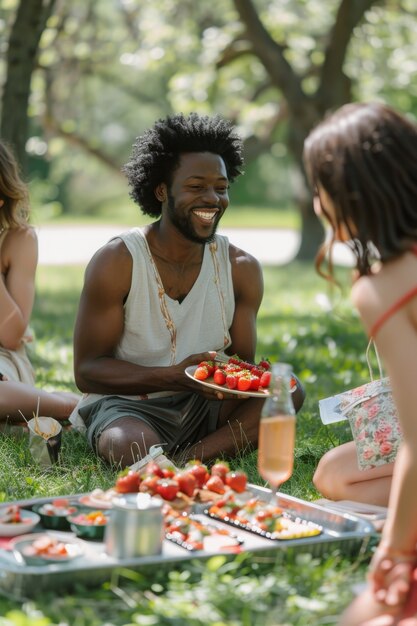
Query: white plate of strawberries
<point>236,376</point>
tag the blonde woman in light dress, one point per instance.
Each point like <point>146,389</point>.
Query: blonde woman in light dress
<point>19,397</point>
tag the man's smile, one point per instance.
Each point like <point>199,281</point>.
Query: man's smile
<point>207,215</point>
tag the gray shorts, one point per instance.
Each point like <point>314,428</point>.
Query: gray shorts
<point>179,420</point>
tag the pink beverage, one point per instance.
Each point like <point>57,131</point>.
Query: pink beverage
<point>276,448</point>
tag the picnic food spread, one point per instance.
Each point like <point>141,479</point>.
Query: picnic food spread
<point>60,507</point>
<point>192,534</point>
<point>180,487</point>
<point>89,525</point>
<point>11,515</point>
<point>16,521</point>
<point>44,549</point>
<point>261,517</point>
<point>222,490</point>
<point>47,547</point>
<point>202,511</point>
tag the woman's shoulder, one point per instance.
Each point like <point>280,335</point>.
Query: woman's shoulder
<point>21,233</point>
<point>370,295</point>
<point>19,238</point>
<point>363,292</point>
<point>375,294</point>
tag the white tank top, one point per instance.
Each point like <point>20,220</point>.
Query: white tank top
<point>160,331</point>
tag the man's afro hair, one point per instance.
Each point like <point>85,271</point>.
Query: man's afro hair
<point>156,153</point>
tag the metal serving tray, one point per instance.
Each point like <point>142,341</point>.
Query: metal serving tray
<point>342,531</point>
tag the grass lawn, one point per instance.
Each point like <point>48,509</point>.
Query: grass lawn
<point>300,323</point>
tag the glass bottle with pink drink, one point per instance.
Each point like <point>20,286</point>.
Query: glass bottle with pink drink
<point>277,429</point>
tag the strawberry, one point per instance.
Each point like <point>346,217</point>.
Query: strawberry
<point>153,469</point>
<point>236,481</point>
<point>168,472</point>
<point>232,369</point>
<point>199,471</point>
<point>257,371</point>
<point>201,373</point>
<point>128,482</point>
<point>244,383</point>
<point>231,381</point>
<point>265,364</point>
<point>220,469</point>
<point>187,483</point>
<point>61,502</point>
<point>235,360</point>
<point>148,484</point>
<point>167,488</point>
<point>209,365</point>
<point>254,383</point>
<point>215,484</point>
<point>219,377</point>
<point>265,379</point>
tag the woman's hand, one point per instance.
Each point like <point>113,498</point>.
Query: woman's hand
<point>390,575</point>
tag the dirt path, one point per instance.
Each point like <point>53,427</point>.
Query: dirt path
<point>75,245</point>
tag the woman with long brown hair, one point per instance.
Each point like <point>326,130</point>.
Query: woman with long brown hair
<point>362,164</point>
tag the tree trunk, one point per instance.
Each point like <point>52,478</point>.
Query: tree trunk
<point>24,40</point>
<point>305,110</point>
<point>312,233</point>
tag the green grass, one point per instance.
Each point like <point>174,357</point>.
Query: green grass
<point>298,324</point>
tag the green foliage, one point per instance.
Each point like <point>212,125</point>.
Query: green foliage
<point>108,70</point>
<point>299,322</point>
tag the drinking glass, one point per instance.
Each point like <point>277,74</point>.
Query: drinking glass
<point>277,431</point>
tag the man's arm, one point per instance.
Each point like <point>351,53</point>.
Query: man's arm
<point>248,288</point>
<point>99,327</point>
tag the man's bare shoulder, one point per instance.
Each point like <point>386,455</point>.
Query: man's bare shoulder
<point>114,251</point>
<point>241,257</point>
<point>247,275</point>
<point>112,261</point>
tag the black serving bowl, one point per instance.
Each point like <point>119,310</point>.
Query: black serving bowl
<point>88,524</point>
<point>54,515</point>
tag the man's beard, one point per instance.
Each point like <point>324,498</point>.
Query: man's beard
<point>185,227</point>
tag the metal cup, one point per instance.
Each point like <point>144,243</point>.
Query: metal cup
<point>135,527</point>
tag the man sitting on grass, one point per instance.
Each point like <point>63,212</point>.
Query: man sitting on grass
<point>160,298</point>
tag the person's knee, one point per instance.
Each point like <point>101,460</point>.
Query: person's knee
<point>125,445</point>
<point>110,446</point>
<point>327,479</point>
<point>319,477</point>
